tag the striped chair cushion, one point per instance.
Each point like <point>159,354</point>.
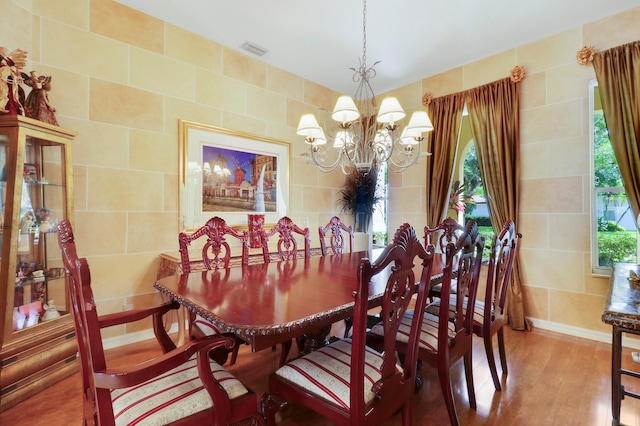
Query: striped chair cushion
<point>174,395</point>
<point>326,372</point>
<point>205,326</point>
<point>478,312</point>
<point>428,334</point>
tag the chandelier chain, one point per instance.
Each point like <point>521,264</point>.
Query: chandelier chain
<point>364,34</point>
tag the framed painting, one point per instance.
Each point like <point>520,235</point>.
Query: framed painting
<point>230,174</point>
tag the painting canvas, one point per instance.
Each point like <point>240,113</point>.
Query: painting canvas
<point>231,174</point>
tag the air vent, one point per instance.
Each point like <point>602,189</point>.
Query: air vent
<point>254,48</point>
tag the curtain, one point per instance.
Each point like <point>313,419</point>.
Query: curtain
<point>618,73</point>
<point>446,115</point>
<point>494,112</point>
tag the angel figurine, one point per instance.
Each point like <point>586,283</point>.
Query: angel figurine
<point>37,102</point>
<point>11,93</point>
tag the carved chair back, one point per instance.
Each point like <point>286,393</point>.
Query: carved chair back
<point>336,238</point>
<point>216,252</point>
<point>287,244</point>
<point>503,251</point>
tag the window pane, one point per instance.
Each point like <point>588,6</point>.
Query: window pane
<point>617,235</point>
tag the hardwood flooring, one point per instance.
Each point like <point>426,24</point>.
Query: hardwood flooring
<point>553,379</point>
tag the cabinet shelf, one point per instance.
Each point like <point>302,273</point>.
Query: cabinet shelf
<point>35,192</point>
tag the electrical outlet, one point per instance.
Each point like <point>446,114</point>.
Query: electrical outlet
<point>128,307</point>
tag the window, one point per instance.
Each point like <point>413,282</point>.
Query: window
<point>613,227</point>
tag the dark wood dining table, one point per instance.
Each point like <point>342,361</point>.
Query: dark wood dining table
<point>270,303</point>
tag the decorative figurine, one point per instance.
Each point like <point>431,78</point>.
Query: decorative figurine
<point>11,93</point>
<point>27,222</point>
<point>37,102</point>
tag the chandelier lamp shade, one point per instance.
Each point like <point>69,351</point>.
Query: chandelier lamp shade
<point>364,139</point>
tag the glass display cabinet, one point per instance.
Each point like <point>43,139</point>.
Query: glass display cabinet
<point>37,342</point>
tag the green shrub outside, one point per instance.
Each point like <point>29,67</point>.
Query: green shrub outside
<point>616,246</point>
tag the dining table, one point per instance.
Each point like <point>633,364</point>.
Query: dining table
<point>269,303</point>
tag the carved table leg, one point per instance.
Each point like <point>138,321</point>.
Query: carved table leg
<point>316,339</point>
<point>269,405</point>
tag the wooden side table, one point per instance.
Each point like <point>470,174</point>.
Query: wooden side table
<point>622,312</point>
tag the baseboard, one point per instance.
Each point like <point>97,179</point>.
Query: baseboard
<point>132,338</point>
<point>598,336</point>
<point>584,333</point>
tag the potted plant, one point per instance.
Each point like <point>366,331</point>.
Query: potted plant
<point>359,198</point>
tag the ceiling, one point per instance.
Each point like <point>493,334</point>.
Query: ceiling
<point>413,39</point>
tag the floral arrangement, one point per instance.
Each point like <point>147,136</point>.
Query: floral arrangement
<point>458,200</point>
<point>359,194</point>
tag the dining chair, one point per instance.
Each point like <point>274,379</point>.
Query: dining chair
<point>347,381</point>
<point>215,254</point>
<point>488,317</point>
<point>448,231</point>
<point>182,386</point>
<point>336,230</point>
<point>287,243</point>
<point>446,338</point>
<point>337,236</point>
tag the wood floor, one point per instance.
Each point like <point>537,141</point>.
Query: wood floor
<point>553,380</point>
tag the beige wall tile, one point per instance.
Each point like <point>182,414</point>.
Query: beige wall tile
<point>69,93</point>
<point>407,200</point>
<point>35,48</point>
<point>444,83</point>
<point>568,157</point>
<point>285,83</point>
<point>577,309</point>
<point>123,190</point>
<point>315,199</point>
<point>318,96</point>
<point>533,163</point>
<point>123,275</point>
<point>535,231</point>
<point>100,144</point>
<point>193,49</point>
<point>284,133</point>
<point>153,151</point>
<point>100,233</point>
<point>215,90</point>
<point>79,193</point>
<point>266,105</point>
<point>594,284</point>
<point>141,236</point>
<point>72,12</point>
<point>296,109</point>
<point>493,68</point>
<point>550,52</point>
<point>66,48</point>
<point>16,24</point>
<point>119,22</point>
<point>555,121</point>
<point>296,199</point>
<point>533,91</point>
<point>242,67</point>
<point>177,109</point>
<point>302,174</point>
<point>409,96</point>
<point>536,302</point>
<point>243,123</point>
<point>171,194</point>
<point>566,232</point>
<point>555,269</point>
<point>125,106</point>
<point>557,195</point>
<point>612,31</point>
<point>569,82</point>
<point>159,74</point>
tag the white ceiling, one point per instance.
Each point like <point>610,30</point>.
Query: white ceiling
<point>320,40</point>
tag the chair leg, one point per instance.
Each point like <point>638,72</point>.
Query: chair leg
<point>488,348</point>
<point>407,414</point>
<point>503,354</point>
<point>348,323</point>
<point>468,371</point>
<point>234,353</point>
<point>286,346</point>
<point>447,393</point>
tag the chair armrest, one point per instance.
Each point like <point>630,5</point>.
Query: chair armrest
<point>118,318</point>
<point>140,373</point>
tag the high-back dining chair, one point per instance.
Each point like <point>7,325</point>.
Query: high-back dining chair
<point>216,253</point>
<point>447,337</point>
<point>488,319</point>
<point>347,381</point>
<point>448,231</point>
<point>287,243</point>
<point>336,237</point>
<point>183,386</point>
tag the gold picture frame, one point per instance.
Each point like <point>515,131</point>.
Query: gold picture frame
<point>231,174</point>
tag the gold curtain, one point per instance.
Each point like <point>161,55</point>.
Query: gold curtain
<point>446,115</point>
<point>618,73</point>
<point>494,112</point>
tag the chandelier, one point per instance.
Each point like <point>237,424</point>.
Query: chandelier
<point>363,139</point>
